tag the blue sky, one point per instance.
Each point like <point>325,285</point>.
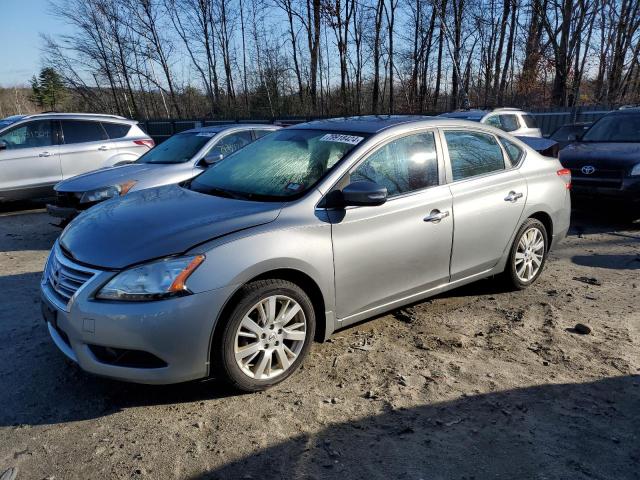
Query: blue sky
<point>21,22</point>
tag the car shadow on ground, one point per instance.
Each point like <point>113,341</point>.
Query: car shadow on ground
<point>572,431</point>
<point>617,262</point>
<point>23,205</point>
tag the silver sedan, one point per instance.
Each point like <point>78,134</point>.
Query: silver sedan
<point>307,231</point>
<point>179,158</point>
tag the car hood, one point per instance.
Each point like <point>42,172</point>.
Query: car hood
<point>157,222</point>
<point>613,155</point>
<point>106,177</point>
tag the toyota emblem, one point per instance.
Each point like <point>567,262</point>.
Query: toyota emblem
<point>588,169</point>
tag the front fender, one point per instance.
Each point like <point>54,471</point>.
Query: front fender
<point>236,260</point>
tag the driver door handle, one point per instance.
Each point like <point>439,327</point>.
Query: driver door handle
<point>436,215</point>
<point>45,154</point>
<point>513,197</point>
<point>103,148</point>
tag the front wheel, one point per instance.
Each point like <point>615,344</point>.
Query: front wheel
<point>266,336</point>
<point>528,254</point>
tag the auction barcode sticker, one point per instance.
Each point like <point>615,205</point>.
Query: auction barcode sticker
<point>336,137</point>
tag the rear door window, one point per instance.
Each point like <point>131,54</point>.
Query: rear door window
<point>82,131</point>
<point>116,130</point>
<point>473,153</point>
<point>509,122</point>
<point>494,121</point>
<point>37,133</point>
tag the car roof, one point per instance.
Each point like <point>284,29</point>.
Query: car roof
<point>362,124</point>
<point>79,116</point>
<point>625,111</point>
<point>228,126</point>
<point>370,124</point>
<point>12,117</point>
<point>508,109</point>
<point>474,114</point>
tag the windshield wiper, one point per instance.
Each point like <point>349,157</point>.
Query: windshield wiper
<point>218,192</point>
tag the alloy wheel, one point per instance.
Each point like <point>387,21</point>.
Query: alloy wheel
<point>270,337</point>
<point>529,255</point>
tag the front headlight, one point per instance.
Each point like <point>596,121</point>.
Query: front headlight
<point>105,193</point>
<point>635,170</point>
<point>153,281</point>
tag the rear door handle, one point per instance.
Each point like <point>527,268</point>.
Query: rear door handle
<point>513,197</point>
<point>103,148</point>
<point>45,154</point>
<point>436,215</point>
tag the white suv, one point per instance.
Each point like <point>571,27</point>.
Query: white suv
<point>513,120</point>
<point>38,151</point>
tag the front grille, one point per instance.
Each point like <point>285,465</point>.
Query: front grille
<point>599,178</point>
<point>67,199</point>
<point>63,278</point>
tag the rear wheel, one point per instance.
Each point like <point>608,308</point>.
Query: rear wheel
<point>266,336</point>
<point>528,254</point>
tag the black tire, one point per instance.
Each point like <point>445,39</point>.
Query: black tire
<point>224,365</point>
<point>510,276</point>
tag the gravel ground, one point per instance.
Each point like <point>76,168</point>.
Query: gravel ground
<point>474,384</point>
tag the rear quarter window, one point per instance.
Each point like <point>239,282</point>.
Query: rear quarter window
<point>514,152</point>
<point>116,130</point>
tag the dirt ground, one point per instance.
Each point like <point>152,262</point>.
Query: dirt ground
<point>478,383</point>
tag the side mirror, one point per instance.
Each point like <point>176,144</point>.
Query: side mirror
<point>364,193</point>
<point>213,158</point>
<point>3,146</point>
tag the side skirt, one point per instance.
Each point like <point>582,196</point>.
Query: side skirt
<point>372,312</point>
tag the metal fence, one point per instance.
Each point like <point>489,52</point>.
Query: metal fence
<point>160,130</point>
<point>548,120</point>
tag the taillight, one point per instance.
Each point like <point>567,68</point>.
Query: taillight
<point>565,172</point>
<point>147,143</point>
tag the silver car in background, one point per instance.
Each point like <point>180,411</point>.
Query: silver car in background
<point>179,158</point>
<point>38,151</point>
<point>306,231</point>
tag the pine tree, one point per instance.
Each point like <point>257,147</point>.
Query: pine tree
<point>48,88</point>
